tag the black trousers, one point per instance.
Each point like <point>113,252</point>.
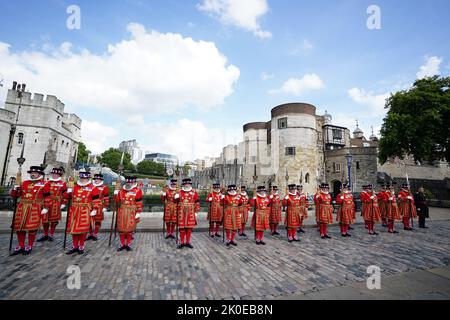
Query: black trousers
<point>421,221</point>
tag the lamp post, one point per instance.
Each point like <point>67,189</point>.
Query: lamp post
<point>20,89</point>
<point>349,158</point>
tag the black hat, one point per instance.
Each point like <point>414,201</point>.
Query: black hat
<point>292,186</point>
<point>84,174</point>
<point>390,186</point>
<point>299,186</point>
<point>232,187</point>
<point>173,180</point>
<point>261,188</point>
<point>243,187</point>
<point>369,186</point>
<point>130,179</point>
<point>274,188</point>
<point>405,186</point>
<point>37,169</point>
<point>345,186</point>
<point>57,171</point>
<point>98,176</point>
<point>324,186</point>
<point>216,185</point>
<point>186,181</point>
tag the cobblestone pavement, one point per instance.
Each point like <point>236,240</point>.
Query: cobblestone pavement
<point>156,270</point>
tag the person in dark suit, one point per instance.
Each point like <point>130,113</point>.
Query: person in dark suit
<point>422,206</point>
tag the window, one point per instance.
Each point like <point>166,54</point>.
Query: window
<point>282,123</point>
<point>307,178</point>
<point>67,145</point>
<point>357,165</point>
<point>290,151</point>
<point>337,167</point>
<point>62,143</point>
<point>20,138</point>
<point>337,134</point>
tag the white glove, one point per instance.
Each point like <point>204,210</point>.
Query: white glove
<point>286,198</point>
<point>44,211</point>
<point>62,206</point>
<point>164,194</point>
<point>104,210</point>
<point>391,198</point>
<point>16,187</point>
<point>271,196</point>
<point>69,190</point>
<point>342,197</point>
<point>116,192</point>
<point>254,198</point>
<point>210,199</point>
<point>222,197</point>
<point>93,213</point>
<point>409,197</point>
<point>372,197</point>
<point>137,216</point>
<point>176,196</point>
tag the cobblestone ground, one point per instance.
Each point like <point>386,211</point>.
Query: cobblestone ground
<point>156,270</point>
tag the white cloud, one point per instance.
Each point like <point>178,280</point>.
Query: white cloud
<point>305,48</point>
<point>266,76</point>
<point>243,14</point>
<point>299,86</point>
<point>430,68</point>
<point>97,137</point>
<point>375,103</point>
<point>150,72</point>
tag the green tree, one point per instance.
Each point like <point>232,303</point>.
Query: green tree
<point>83,152</point>
<point>150,168</point>
<point>418,122</point>
<point>111,158</point>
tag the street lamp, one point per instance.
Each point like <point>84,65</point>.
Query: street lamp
<point>349,158</point>
<point>20,89</point>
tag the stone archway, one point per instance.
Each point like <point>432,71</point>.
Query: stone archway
<point>336,187</point>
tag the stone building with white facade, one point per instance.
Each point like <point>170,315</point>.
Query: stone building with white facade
<point>48,134</point>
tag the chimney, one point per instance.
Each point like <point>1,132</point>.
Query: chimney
<point>23,87</point>
<point>14,85</point>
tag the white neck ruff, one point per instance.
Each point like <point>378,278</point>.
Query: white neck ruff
<point>83,184</point>
<point>97,185</point>
<point>54,180</point>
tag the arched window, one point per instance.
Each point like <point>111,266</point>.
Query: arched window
<point>62,143</point>
<point>20,138</point>
<point>307,178</point>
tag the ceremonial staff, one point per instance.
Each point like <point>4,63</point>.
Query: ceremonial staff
<point>116,188</point>
<point>255,178</point>
<point>71,186</point>
<point>18,182</point>
<point>118,184</point>
<point>178,202</point>
<point>211,176</point>
<point>409,201</point>
<point>223,204</point>
<point>167,176</point>
<point>286,177</point>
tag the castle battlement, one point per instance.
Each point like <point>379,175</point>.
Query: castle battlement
<point>36,99</point>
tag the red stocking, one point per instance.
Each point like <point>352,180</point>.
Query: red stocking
<point>233,234</point>
<point>228,234</point>
<point>97,228</point>
<point>75,241</point>
<point>82,238</point>
<point>31,237</point>
<point>46,226</point>
<point>53,228</point>
<point>21,238</point>
<point>128,239</point>
<point>182,236</point>
<point>188,236</point>
<point>122,239</point>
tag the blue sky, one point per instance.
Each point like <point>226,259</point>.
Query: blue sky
<point>320,52</point>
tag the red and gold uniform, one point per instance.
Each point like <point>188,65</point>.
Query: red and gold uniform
<point>406,206</point>
<point>130,208</point>
<point>304,204</point>
<point>102,204</point>
<point>188,206</point>
<point>81,209</point>
<point>275,210</point>
<point>244,209</point>
<point>55,202</point>
<point>324,209</point>
<point>382,205</point>
<point>215,210</point>
<point>370,210</point>
<point>170,208</point>
<point>346,210</point>
<point>392,210</point>
<point>232,216</point>
<point>260,219</point>
<point>31,207</point>
<point>293,213</point>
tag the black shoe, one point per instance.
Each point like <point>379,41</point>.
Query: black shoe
<point>72,251</point>
<point>233,243</point>
<point>180,246</point>
<point>228,244</point>
<point>217,235</point>
<point>276,233</point>
<point>121,248</point>
<point>128,248</point>
<point>43,238</point>
<point>290,240</point>
<point>89,237</point>
<point>258,242</point>
<point>244,234</point>
<point>27,251</point>
<point>323,237</point>
<point>300,230</point>
<point>167,237</point>
<point>348,235</point>
<point>51,238</point>
<point>80,251</point>
<point>172,236</point>
<point>327,236</point>
<point>189,246</point>
<point>18,251</point>
<point>350,228</point>
<point>94,238</point>
<point>211,235</point>
<point>296,240</point>
<point>375,233</point>
<point>394,231</point>
<point>343,235</point>
<point>262,242</point>
<point>408,229</point>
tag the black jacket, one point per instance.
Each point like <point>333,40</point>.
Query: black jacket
<point>421,205</point>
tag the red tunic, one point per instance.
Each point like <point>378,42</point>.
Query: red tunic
<point>170,213</point>
<point>32,196</point>
<point>370,209</point>
<point>244,208</point>
<point>215,214</point>
<point>130,205</point>
<point>304,204</point>
<point>82,204</point>
<point>381,204</point>
<point>407,207</point>
<point>293,213</point>
<point>188,206</point>
<point>346,210</point>
<point>262,213</point>
<point>54,201</point>
<point>390,203</point>
<point>101,202</point>
<point>324,209</point>
<point>232,218</point>
<point>275,209</point>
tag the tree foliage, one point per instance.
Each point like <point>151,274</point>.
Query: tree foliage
<point>83,152</point>
<point>111,158</point>
<point>150,168</point>
<point>418,122</point>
